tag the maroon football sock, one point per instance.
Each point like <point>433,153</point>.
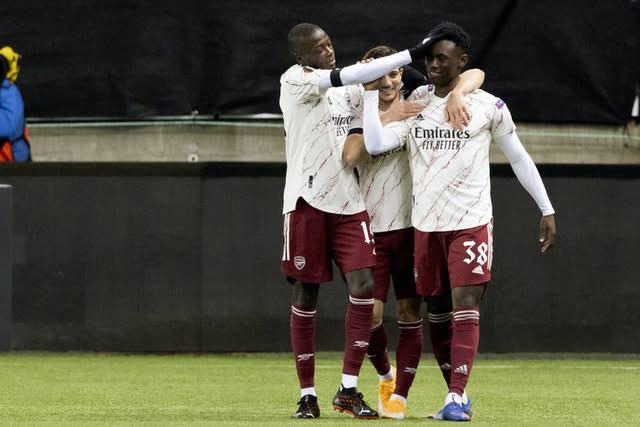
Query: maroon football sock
<point>377,351</point>
<point>302,329</point>
<point>440,337</point>
<point>357,333</point>
<point>408,355</point>
<point>464,346</point>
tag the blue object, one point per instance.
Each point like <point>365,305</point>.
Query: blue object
<point>454,412</point>
<point>12,120</point>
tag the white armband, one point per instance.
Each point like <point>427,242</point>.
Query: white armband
<point>525,171</point>
<point>377,139</point>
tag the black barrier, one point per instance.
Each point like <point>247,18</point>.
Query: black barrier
<point>185,258</point>
<point>550,61</point>
<point>6,263</point>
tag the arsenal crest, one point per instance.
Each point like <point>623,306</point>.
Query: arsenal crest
<point>299,262</point>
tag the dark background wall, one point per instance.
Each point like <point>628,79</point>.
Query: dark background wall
<point>185,257</point>
<point>550,60</point>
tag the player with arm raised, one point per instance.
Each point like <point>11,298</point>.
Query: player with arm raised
<point>324,216</point>
<point>452,211</point>
<point>385,182</point>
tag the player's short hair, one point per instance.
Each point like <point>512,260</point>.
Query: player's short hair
<point>378,52</point>
<point>452,32</point>
<point>300,34</point>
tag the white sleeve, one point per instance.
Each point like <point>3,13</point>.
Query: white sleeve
<point>363,73</point>
<point>377,139</point>
<point>525,170</point>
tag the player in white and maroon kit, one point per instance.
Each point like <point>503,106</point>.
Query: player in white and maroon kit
<point>452,211</point>
<point>385,181</point>
<point>324,214</point>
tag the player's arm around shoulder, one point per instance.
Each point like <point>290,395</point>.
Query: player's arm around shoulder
<point>457,111</point>
<point>355,151</point>
<point>399,111</point>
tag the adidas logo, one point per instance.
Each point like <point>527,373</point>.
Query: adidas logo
<point>462,369</point>
<point>478,270</point>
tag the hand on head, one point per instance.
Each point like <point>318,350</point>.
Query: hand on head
<point>420,50</point>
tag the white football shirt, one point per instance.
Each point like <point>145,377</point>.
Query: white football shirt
<point>450,168</point>
<point>385,182</point>
<point>316,124</point>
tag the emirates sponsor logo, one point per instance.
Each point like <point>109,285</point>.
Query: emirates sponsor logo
<point>299,261</point>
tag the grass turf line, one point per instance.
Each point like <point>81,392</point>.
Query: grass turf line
<point>54,389</point>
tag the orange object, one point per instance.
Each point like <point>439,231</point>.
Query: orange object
<point>6,154</point>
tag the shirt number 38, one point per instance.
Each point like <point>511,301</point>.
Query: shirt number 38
<point>478,253</point>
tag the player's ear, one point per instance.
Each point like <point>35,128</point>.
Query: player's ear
<point>463,61</point>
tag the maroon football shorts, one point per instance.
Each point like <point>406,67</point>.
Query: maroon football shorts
<point>312,239</point>
<point>448,259</point>
<point>394,250</point>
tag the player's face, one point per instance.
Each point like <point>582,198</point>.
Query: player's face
<point>390,85</point>
<point>444,63</point>
<point>318,52</point>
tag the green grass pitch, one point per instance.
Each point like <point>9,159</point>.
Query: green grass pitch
<point>84,389</point>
